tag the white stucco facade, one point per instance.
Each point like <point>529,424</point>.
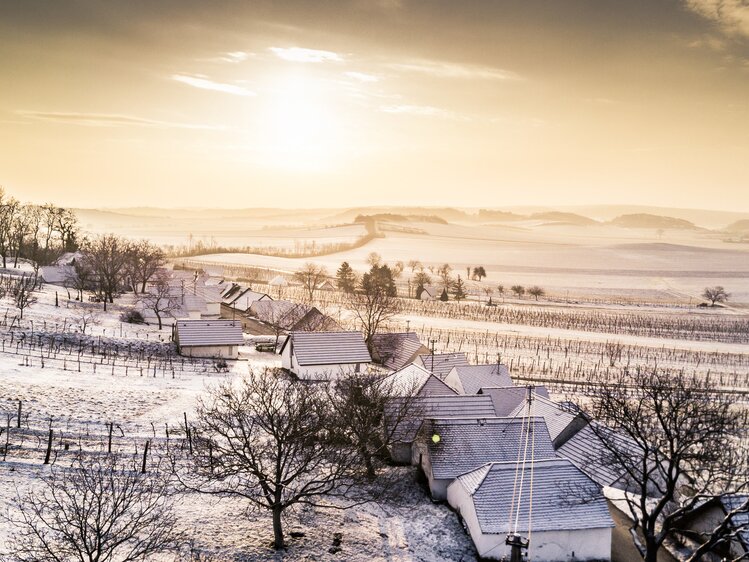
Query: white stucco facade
<point>545,546</point>
<point>210,351</point>
<point>317,372</point>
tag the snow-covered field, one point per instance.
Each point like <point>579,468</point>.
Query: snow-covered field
<point>79,404</point>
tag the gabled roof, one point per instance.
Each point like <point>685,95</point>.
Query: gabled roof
<point>327,348</point>
<point>413,380</point>
<point>507,398</point>
<point>420,408</point>
<point>468,443</point>
<point>557,419</point>
<point>209,332</point>
<point>442,364</point>
<point>245,299</point>
<point>564,498</point>
<point>281,313</point>
<point>472,378</point>
<point>278,281</point>
<point>397,350</point>
<point>588,453</point>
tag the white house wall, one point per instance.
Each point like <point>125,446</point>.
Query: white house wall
<point>211,351</point>
<point>545,546</point>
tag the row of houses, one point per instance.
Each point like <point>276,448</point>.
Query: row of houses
<point>475,436</point>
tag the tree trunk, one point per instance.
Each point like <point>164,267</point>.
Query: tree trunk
<point>278,543</point>
<point>158,316</point>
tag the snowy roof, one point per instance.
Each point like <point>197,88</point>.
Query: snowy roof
<point>473,378</point>
<point>279,313</point>
<point>507,398</point>
<point>56,274</point>
<point>413,380</point>
<point>588,453</point>
<point>468,443</point>
<point>442,364</point>
<point>449,406</point>
<point>244,300</point>
<point>209,332</point>
<point>397,350</point>
<point>557,418</point>
<point>564,498</point>
<point>328,348</point>
<point>278,281</point>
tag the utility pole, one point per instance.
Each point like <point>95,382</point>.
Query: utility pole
<point>433,341</point>
<point>517,545</point>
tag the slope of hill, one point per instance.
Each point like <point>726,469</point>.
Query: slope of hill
<point>645,220</point>
<point>566,218</point>
<point>739,227</point>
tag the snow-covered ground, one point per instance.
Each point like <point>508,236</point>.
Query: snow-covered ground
<point>79,404</point>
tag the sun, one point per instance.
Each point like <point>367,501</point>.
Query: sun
<point>300,125</point>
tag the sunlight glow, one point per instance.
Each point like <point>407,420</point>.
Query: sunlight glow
<point>301,128</point>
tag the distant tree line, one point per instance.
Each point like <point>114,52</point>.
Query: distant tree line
<point>38,233</point>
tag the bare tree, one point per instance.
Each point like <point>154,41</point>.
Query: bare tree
<point>22,291</point>
<point>678,442</point>
<point>106,257</point>
<point>479,272</point>
<point>267,439</point>
<point>519,290</point>
<point>421,280</point>
<point>715,294</point>
<point>445,273</point>
<point>536,291</point>
<point>144,261</point>
<point>310,277</point>
<point>9,208</point>
<point>374,259</point>
<point>159,298</point>
<point>359,402</point>
<point>96,511</point>
<point>414,265</point>
<point>376,301</point>
<point>87,317</point>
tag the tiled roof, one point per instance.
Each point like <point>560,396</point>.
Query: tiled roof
<point>413,412</point>
<point>589,454</point>
<point>473,377</point>
<point>507,398</point>
<point>557,419</point>
<point>284,314</point>
<point>466,444</point>
<point>328,348</point>
<point>246,298</point>
<point>442,364</point>
<point>209,332</point>
<point>395,351</point>
<point>564,498</point>
<point>414,380</point>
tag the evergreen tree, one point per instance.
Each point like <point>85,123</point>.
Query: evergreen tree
<point>346,278</point>
<point>443,296</point>
<point>459,290</point>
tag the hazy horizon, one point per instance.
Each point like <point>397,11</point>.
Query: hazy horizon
<point>374,103</point>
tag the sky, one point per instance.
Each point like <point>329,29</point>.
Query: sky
<point>187,103</point>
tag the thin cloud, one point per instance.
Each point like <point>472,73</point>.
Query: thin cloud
<point>731,15</point>
<point>299,54</point>
<point>421,111</point>
<point>235,56</point>
<point>108,120</point>
<point>206,84</point>
<point>362,76</point>
<point>452,70</point>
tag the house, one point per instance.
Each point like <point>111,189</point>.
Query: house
<point>709,515</point>
<point>430,293</point>
<point>326,285</point>
<point>208,338</point>
<point>244,299</point>
<point>445,448</point>
<point>413,380</point>
<point>442,364</point>
<point>290,316</point>
<point>508,398</point>
<point>278,281</point>
<point>561,422</point>
<point>62,270</point>
<point>469,379</point>
<point>324,355</point>
<point>404,417</point>
<point>560,526</point>
<point>588,453</point>
<point>397,350</point>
